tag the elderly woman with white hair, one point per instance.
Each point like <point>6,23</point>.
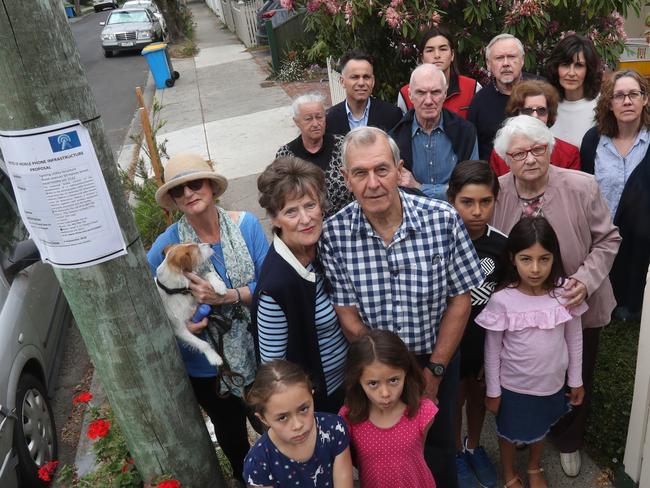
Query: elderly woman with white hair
<point>571,201</point>
<point>317,147</point>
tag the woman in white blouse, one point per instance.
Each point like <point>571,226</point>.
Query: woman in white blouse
<point>574,69</point>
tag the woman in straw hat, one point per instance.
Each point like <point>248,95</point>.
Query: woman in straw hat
<point>239,245</point>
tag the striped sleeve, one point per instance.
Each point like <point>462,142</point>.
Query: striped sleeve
<point>272,329</point>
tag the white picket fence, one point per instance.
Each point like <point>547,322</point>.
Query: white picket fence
<point>215,6</point>
<point>240,17</point>
<point>337,93</point>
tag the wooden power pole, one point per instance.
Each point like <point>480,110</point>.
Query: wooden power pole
<point>115,304</point>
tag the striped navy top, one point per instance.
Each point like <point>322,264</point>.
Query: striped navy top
<point>273,333</point>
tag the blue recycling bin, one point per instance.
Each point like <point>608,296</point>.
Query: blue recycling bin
<point>160,65</point>
<point>69,11</point>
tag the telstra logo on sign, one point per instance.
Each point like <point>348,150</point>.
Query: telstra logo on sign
<point>65,141</point>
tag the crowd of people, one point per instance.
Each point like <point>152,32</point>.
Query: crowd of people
<point>457,252</point>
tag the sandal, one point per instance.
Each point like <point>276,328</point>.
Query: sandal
<point>514,480</point>
<point>537,471</point>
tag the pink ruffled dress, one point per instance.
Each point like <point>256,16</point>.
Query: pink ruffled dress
<point>393,457</point>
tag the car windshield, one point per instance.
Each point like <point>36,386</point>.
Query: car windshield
<point>127,16</point>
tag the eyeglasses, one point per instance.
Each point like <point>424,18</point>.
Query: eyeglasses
<point>179,191</point>
<point>634,95</point>
<point>535,151</point>
<point>541,111</point>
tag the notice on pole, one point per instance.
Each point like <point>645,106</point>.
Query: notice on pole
<point>61,194</point>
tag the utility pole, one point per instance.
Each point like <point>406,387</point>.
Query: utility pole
<point>117,309</point>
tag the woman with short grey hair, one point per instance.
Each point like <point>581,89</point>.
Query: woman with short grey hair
<point>574,206</point>
<point>317,147</point>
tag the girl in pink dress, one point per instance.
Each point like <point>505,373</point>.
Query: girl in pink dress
<point>532,343</point>
<point>387,416</point>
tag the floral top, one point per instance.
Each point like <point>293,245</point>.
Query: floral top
<point>265,465</point>
<point>329,159</point>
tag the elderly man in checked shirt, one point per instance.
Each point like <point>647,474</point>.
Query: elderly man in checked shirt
<point>403,263</point>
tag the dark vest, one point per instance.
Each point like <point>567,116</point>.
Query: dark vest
<point>297,299</point>
<point>461,133</point>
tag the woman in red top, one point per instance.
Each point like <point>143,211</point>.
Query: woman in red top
<point>538,99</point>
<point>437,47</point>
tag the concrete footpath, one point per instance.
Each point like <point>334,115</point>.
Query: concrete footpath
<point>222,109</point>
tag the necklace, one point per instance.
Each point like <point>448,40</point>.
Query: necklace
<point>532,207</point>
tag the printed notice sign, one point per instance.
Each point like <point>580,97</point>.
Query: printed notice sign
<point>62,195</point>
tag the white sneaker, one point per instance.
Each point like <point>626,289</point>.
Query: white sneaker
<point>570,462</point>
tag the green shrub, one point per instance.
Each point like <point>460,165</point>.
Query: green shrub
<point>613,391</point>
<point>389,30</point>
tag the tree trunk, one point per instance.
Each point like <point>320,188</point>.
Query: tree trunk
<point>173,13</point>
<point>116,306</point>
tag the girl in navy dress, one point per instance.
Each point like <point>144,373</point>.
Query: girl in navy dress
<point>302,448</point>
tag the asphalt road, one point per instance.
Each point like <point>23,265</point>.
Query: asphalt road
<point>112,80</point>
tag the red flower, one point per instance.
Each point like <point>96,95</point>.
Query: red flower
<point>126,465</point>
<point>47,470</point>
<point>98,428</point>
<point>84,397</point>
<point>169,484</point>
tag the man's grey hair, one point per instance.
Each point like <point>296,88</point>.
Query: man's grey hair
<point>366,136</point>
<point>429,70</point>
<point>502,37</point>
<point>523,125</point>
<point>312,97</point>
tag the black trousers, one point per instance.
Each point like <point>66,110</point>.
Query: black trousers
<point>228,415</point>
<point>440,446</point>
<point>569,432</point>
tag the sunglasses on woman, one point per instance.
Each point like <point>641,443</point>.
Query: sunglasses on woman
<point>541,111</point>
<point>179,191</point>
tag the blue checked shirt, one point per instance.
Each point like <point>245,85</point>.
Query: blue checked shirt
<point>402,287</point>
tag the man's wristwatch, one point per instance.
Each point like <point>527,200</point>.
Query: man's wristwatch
<point>437,369</point>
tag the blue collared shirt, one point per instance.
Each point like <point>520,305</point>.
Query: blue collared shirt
<point>612,170</point>
<point>434,158</point>
<point>403,286</point>
<point>363,121</point>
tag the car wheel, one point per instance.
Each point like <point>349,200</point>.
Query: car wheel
<point>108,54</point>
<point>34,431</point>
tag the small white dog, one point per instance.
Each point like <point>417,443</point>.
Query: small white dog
<point>179,303</point>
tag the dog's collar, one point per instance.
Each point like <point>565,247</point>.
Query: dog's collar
<point>172,291</point>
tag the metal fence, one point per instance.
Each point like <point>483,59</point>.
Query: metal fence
<point>337,93</point>
<point>241,18</point>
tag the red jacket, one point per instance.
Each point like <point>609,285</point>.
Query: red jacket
<point>459,94</point>
<point>564,155</point>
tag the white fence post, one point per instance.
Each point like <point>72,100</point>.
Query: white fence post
<point>245,21</point>
<point>637,447</point>
<point>337,93</point>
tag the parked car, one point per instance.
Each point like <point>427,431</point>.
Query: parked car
<point>151,6</point>
<point>33,319</point>
<point>129,29</point>
<point>99,5</point>
<point>271,9</point>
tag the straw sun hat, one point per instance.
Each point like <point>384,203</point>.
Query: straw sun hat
<point>185,167</point>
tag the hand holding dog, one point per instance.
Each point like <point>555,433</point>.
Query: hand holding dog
<point>203,291</point>
<point>196,327</point>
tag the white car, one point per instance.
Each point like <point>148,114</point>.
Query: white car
<point>151,6</point>
<point>33,319</point>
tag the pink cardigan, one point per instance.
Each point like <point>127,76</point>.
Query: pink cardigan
<point>588,239</point>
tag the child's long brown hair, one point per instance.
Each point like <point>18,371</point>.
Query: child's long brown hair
<point>387,348</point>
<point>270,378</point>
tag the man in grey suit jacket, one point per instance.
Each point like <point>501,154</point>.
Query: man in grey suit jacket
<point>359,108</point>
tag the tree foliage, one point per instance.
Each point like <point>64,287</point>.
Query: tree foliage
<point>389,30</point>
